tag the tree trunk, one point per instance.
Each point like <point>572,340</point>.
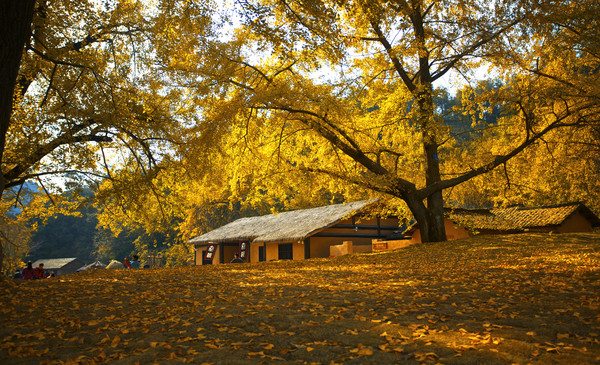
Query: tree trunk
<point>15,29</point>
<point>436,230</point>
<point>435,201</point>
<point>427,219</point>
<point>16,17</point>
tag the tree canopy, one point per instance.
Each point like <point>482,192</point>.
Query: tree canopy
<point>306,97</point>
<point>181,110</point>
<point>87,96</point>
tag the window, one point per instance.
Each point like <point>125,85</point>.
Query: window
<point>286,251</point>
<point>261,253</point>
<point>205,261</point>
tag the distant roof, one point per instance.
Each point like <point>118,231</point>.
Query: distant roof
<point>516,218</point>
<point>51,264</point>
<point>293,225</point>
<point>552,215</point>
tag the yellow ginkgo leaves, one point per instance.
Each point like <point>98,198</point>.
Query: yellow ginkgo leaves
<point>465,305</point>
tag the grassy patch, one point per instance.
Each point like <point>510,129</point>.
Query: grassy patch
<point>531,298</point>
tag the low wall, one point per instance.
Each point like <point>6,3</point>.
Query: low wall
<point>381,245</point>
<point>343,249</point>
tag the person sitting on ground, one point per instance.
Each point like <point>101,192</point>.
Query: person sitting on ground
<point>39,272</point>
<point>28,273</point>
<point>237,259</point>
<point>135,263</point>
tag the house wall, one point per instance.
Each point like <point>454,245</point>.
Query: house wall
<point>199,256</point>
<point>453,232</point>
<point>298,250</point>
<point>320,246</point>
<point>272,250</point>
<point>575,223</point>
<point>229,251</point>
<point>253,251</point>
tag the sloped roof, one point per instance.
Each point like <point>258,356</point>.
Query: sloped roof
<point>543,216</point>
<point>293,225</point>
<point>52,264</point>
<point>516,218</point>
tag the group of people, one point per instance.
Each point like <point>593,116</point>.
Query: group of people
<point>31,273</point>
<point>133,264</point>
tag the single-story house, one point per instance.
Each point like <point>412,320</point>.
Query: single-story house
<point>563,218</point>
<point>292,235</point>
<point>60,266</point>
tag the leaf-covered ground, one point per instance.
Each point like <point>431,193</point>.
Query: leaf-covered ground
<point>521,299</point>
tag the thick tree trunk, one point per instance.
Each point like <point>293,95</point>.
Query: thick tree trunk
<point>428,219</point>
<point>436,230</point>
<point>420,213</point>
<point>15,29</point>
<point>435,205</point>
<point>435,201</point>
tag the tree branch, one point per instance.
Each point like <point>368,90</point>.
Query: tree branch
<point>43,150</point>
<point>456,58</point>
<point>499,160</point>
<point>396,62</point>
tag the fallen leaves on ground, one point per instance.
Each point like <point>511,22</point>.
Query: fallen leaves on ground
<point>531,298</point>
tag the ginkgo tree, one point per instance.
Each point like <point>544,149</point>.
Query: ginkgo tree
<point>326,94</point>
<point>81,93</point>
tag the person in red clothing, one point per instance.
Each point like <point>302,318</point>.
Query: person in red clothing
<point>28,273</point>
<point>39,272</point>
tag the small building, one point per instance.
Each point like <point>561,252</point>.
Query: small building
<point>563,218</point>
<point>293,235</point>
<point>60,266</point>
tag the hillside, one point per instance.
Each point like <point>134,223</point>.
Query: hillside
<point>531,298</point>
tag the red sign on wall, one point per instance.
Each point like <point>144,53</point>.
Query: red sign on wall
<point>243,249</point>
<point>210,251</point>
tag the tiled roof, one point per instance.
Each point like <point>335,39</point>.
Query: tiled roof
<point>520,218</point>
<point>516,218</point>
<point>537,217</point>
